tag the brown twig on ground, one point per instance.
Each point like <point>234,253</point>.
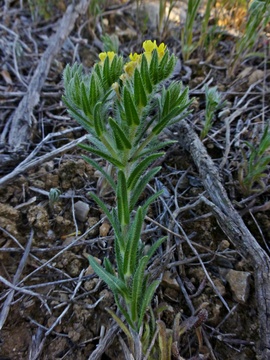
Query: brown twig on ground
<point>20,127</point>
<point>234,227</point>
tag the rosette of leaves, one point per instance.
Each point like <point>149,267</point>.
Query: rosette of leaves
<point>124,109</point>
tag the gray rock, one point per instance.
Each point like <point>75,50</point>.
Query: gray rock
<point>81,210</point>
<point>239,283</point>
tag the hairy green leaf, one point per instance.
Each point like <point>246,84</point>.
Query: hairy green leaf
<point>137,288</point>
<point>132,116</point>
<point>140,186</point>
<point>101,170</point>
<point>122,199</point>
<point>140,168</point>
<point>112,281</point>
<point>132,247</point>
<point>139,90</point>
<point>121,140</point>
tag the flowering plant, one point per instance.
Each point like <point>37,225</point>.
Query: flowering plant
<point>124,107</point>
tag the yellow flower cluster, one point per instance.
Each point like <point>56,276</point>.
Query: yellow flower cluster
<point>148,46</point>
<point>103,56</point>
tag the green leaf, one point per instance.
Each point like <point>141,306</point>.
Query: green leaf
<point>101,170</point>
<point>166,95</point>
<point>108,266</point>
<point>98,121</point>
<point>140,186</point>
<point>119,249</point>
<point>153,68</point>
<point>132,116</point>
<point>121,140</point>
<point>140,168</point>
<point>112,281</point>
<point>168,69</point>
<point>149,201</point>
<point>155,246</point>
<point>105,156</point>
<point>163,65</point>
<point>145,75</point>
<point>103,206</point>
<point>122,326</point>
<point>94,89</point>
<point>153,146</point>
<point>147,297</point>
<point>132,247</point>
<point>139,91</point>
<point>85,102</point>
<point>106,76</point>
<point>137,288</point>
<point>122,199</point>
<point>123,310</point>
<point>75,113</point>
<point>174,113</point>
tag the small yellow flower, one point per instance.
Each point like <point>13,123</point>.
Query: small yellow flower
<point>135,57</point>
<point>161,50</point>
<point>130,67</point>
<point>149,45</point>
<point>103,56</point>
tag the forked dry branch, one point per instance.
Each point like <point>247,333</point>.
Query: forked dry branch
<point>234,227</point>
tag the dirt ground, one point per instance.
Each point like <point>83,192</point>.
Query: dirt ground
<point>52,304</point>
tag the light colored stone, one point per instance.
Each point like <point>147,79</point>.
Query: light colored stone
<point>81,210</point>
<point>239,283</point>
<point>169,281</point>
<point>104,229</point>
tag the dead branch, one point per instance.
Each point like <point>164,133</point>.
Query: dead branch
<point>234,227</point>
<point>20,129</point>
<point>31,163</point>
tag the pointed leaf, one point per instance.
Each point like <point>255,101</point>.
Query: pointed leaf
<point>140,168</point>
<point>147,297</point>
<point>153,68</point>
<point>122,326</point>
<point>101,170</point>
<point>155,246</point>
<point>132,116</point>
<point>75,113</point>
<point>137,287</point>
<point>102,205</point>
<point>122,199</point>
<point>145,75</point>
<point>121,140</point>
<point>149,201</point>
<point>140,186</point>
<point>139,91</point>
<point>112,281</point>
<point>132,247</point>
<point>102,154</point>
<point>85,103</point>
<point>98,121</point>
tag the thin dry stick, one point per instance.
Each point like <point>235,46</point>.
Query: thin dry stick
<point>58,320</point>
<point>6,306</point>
<point>40,160</point>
